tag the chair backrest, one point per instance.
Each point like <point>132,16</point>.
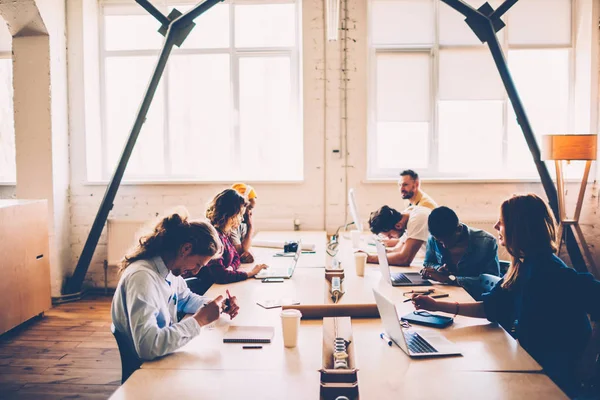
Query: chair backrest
<point>488,282</point>
<point>130,361</point>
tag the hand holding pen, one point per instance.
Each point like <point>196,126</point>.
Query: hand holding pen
<point>230,305</point>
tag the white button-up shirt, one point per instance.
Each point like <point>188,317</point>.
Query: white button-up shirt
<point>145,307</point>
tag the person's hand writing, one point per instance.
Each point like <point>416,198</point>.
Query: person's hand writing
<point>210,312</point>
<point>422,302</point>
<point>436,275</point>
<point>231,307</point>
<point>256,269</point>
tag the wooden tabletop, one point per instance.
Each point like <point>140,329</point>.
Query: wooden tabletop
<point>301,385</point>
<point>274,371</point>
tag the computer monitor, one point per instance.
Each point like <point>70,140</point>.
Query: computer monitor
<point>354,210</point>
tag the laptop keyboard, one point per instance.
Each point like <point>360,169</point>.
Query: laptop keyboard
<point>400,278</point>
<point>417,344</point>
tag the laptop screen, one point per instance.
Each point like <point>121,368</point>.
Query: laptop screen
<point>389,317</point>
<point>383,261</point>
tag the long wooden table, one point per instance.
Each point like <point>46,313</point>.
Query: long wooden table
<point>493,365</point>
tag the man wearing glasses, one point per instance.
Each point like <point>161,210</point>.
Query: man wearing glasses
<point>406,230</point>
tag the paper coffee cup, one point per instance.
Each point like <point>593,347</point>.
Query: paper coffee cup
<point>355,236</point>
<point>360,260</point>
<point>290,323</point>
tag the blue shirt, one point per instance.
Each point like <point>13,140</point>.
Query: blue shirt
<point>481,257</point>
<point>145,307</point>
<point>547,311</point>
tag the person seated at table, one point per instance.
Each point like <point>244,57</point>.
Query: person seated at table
<point>410,189</point>
<point>457,254</point>
<point>242,236</point>
<point>151,290</point>
<point>225,212</point>
<point>409,226</point>
<point>540,300</point>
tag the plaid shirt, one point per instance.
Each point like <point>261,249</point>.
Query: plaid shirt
<point>224,269</point>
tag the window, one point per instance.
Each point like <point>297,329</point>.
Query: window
<point>8,168</point>
<point>436,100</point>
<point>228,105</point>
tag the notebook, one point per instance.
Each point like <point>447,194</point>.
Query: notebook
<point>249,334</point>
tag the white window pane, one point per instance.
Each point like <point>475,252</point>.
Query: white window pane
<point>211,30</point>
<point>5,37</point>
<point>126,82</point>
<point>402,22</point>
<point>540,22</point>
<point>403,87</point>
<point>469,75</point>
<point>270,144</point>
<point>8,170</point>
<point>393,139</point>
<point>199,116</point>
<point>453,28</point>
<point>470,137</point>
<point>131,32</point>
<point>265,25</point>
<point>542,79</point>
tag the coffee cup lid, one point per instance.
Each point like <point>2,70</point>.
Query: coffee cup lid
<point>291,313</point>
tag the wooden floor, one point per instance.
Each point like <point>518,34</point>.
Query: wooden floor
<point>67,354</point>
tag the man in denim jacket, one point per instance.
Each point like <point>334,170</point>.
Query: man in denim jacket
<point>457,254</point>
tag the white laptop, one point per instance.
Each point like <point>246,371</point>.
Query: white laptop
<point>400,279</point>
<point>282,267</point>
<point>414,342</point>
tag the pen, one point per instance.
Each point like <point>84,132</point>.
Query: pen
<point>227,301</point>
<point>308,252</point>
<point>386,338</point>
<point>435,296</point>
<point>251,347</point>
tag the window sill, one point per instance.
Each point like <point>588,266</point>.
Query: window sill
<point>192,182</point>
<point>468,180</point>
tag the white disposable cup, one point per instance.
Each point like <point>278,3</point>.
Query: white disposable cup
<point>360,259</point>
<point>290,323</point>
<point>355,235</point>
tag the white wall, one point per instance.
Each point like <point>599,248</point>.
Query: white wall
<point>319,202</point>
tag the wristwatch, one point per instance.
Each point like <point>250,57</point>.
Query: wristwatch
<point>452,278</point>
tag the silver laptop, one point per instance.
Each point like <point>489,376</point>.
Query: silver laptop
<point>282,268</point>
<point>415,343</point>
<point>400,279</point>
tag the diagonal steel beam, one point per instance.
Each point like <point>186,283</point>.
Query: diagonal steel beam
<point>485,23</point>
<point>178,27</point>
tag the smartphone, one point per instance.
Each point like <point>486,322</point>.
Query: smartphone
<point>272,280</point>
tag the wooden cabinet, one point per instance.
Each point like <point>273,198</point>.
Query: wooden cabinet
<point>24,261</point>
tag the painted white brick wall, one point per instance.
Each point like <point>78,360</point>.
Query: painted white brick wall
<point>319,202</point>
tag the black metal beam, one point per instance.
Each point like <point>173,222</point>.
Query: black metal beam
<point>176,33</point>
<point>487,34</point>
<point>164,21</point>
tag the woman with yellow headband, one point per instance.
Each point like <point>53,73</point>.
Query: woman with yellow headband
<point>242,236</point>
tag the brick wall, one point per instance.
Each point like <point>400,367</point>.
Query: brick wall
<point>319,202</point>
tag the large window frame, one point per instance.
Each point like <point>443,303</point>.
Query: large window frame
<point>432,171</point>
<point>236,54</point>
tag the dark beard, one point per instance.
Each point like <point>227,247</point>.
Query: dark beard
<point>408,195</point>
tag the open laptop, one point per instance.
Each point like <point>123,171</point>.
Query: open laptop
<point>282,267</point>
<point>354,210</point>
<point>415,343</point>
<point>400,279</point>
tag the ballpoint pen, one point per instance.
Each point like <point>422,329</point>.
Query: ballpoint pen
<point>386,338</point>
<point>435,296</point>
<point>227,301</point>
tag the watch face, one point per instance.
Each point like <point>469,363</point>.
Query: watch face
<point>452,278</point>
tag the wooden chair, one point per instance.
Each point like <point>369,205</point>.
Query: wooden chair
<point>130,361</point>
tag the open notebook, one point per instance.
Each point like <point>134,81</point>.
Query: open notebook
<point>249,334</point>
